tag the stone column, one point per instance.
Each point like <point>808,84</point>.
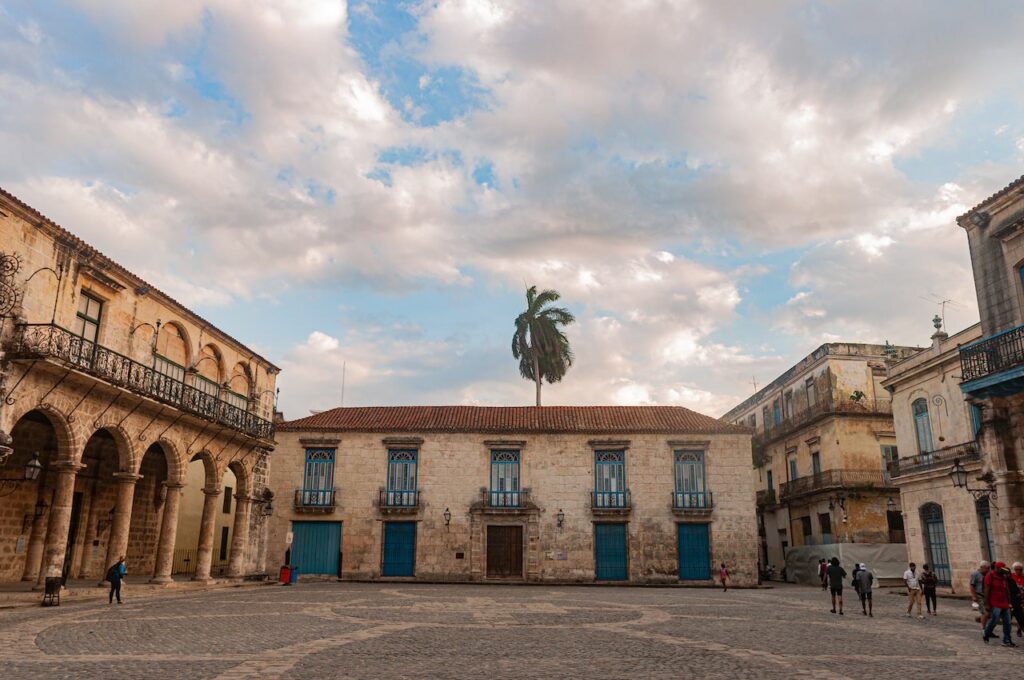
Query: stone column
<point>34,554</point>
<point>239,537</point>
<point>207,530</point>
<point>60,522</point>
<point>117,543</point>
<point>168,533</point>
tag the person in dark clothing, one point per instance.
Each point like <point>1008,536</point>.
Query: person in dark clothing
<point>822,576</point>
<point>114,575</point>
<point>929,583</point>
<point>836,574</point>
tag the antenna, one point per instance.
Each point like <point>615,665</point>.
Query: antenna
<point>753,381</point>
<point>344,364</point>
<point>941,302</point>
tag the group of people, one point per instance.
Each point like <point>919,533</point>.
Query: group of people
<point>998,592</point>
<point>832,574</point>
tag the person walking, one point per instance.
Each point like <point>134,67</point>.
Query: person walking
<point>913,590</point>
<point>977,588</point>
<point>929,586</point>
<point>836,574</point>
<point>822,573</point>
<point>114,575</point>
<point>997,597</point>
<point>1016,585</point>
<point>723,574</point>
<point>865,579</point>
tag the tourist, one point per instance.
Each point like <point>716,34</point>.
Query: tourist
<point>723,574</point>
<point>114,575</point>
<point>977,587</point>
<point>1016,584</point>
<point>822,573</point>
<point>913,590</point>
<point>997,597</point>
<point>929,584</point>
<point>865,579</point>
<point>836,574</point>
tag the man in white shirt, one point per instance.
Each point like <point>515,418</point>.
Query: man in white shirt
<point>913,590</point>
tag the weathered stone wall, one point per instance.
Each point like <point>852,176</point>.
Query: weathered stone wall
<point>558,469</point>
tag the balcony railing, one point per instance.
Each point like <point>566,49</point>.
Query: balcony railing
<point>610,500</point>
<point>832,479</point>
<point>49,341</point>
<point>692,501</point>
<point>506,499</point>
<point>934,459</point>
<point>399,499</point>
<point>315,499</point>
<point>824,407</point>
<point>992,355</point>
<point>766,497</point>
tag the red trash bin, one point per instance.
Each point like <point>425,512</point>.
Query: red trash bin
<point>286,575</point>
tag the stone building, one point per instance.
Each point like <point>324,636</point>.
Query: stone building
<point>935,427</point>
<point>992,368</point>
<point>111,391</point>
<point>460,493</point>
<point>823,430</point>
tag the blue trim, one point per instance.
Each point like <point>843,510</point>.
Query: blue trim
<point>978,342</point>
<point>505,480</point>
<point>992,380</point>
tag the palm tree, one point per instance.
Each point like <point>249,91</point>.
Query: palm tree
<point>539,344</point>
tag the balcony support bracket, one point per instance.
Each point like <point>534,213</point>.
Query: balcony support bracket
<point>96,423</point>
<point>71,414</point>
<point>10,395</point>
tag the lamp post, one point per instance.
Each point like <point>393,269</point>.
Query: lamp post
<point>959,477</point>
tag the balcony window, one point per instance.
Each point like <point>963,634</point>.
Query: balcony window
<point>812,397</point>
<point>815,463</point>
<point>975,419</point>
<point>922,425</point>
<point>318,478</point>
<point>890,461</point>
<point>764,418</point>
<point>771,485</point>
<point>87,320</point>
<point>207,386</point>
<point>610,479</point>
<point>789,405</point>
<point>792,469</point>
<point>777,412</point>
<point>401,487</point>
<point>237,400</point>
<point>504,478</point>
<point>169,379</point>
<point>690,481</point>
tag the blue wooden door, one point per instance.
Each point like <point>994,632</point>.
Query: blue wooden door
<point>694,552</point>
<point>610,552</point>
<point>316,547</point>
<point>399,548</point>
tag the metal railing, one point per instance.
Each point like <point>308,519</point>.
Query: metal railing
<point>992,355</point>
<point>832,479</point>
<point>824,407</point>
<point>49,341</point>
<point>692,500</point>
<point>184,562</point>
<point>393,499</point>
<point>766,497</point>
<point>610,500</point>
<point>506,499</point>
<point>934,459</point>
<point>314,499</point>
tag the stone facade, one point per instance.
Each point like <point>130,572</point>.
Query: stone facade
<point>822,429</point>
<point>935,427</point>
<point>555,513</point>
<point>114,389</point>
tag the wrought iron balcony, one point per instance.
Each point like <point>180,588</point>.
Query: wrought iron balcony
<point>692,502</point>
<point>399,500</point>
<point>315,500</point>
<point>766,497</point>
<point>512,500</point>
<point>832,479</point>
<point>992,355</point>
<point>931,460</point>
<point>49,341</point>
<point>822,408</point>
<point>610,501</point>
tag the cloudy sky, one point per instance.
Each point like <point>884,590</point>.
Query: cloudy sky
<point>714,187</point>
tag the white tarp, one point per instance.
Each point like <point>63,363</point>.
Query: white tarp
<point>884,560</point>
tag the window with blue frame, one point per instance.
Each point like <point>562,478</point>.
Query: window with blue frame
<point>975,419</point>
<point>401,489</point>
<point>610,479</point>
<point>792,469</point>
<point>690,482</point>
<point>505,491</point>
<point>764,419</point>
<point>318,479</point>
<point>771,484</point>
<point>922,426</point>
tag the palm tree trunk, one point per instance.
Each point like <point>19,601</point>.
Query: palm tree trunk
<point>536,372</point>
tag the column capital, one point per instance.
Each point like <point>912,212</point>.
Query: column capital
<point>127,477</point>
<point>212,492</point>
<point>67,466</point>
<point>173,485</point>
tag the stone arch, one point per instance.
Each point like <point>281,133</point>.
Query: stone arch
<point>129,455</point>
<point>240,381</point>
<point>210,364</point>
<point>176,459</point>
<point>174,344</point>
<point>243,476</point>
<point>213,476</point>
<point>69,441</point>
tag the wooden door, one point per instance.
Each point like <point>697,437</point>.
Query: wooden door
<point>504,551</point>
<point>610,552</point>
<point>694,552</point>
<point>399,549</point>
<point>316,547</point>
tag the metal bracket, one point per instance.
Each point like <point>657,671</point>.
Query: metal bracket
<point>201,433</point>
<point>127,415</point>
<point>10,395</point>
<point>173,423</point>
<point>71,415</point>
<point>42,399</point>
<point>151,421</point>
<point>96,423</point>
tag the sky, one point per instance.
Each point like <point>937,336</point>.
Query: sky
<point>715,188</point>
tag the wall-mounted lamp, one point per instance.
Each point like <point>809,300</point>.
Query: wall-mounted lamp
<point>959,476</point>
<point>40,508</point>
<point>31,473</point>
<point>560,518</point>
<point>890,505</point>
<point>447,517</point>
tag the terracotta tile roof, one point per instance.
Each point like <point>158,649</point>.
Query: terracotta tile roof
<point>515,420</point>
<point>1002,192</point>
<point>78,243</point>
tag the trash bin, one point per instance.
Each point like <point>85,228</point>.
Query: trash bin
<point>294,576</point>
<point>286,575</point>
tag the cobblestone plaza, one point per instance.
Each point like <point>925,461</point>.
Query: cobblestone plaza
<point>466,631</point>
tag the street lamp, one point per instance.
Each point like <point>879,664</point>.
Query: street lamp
<point>959,476</point>
<point>447,517</point>
<point>31,473</point>
<point>890,505</point>
<point>560,518</point>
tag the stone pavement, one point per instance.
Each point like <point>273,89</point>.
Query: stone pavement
<point>399,630</point>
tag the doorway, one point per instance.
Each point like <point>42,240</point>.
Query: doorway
<point>504,551</point>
